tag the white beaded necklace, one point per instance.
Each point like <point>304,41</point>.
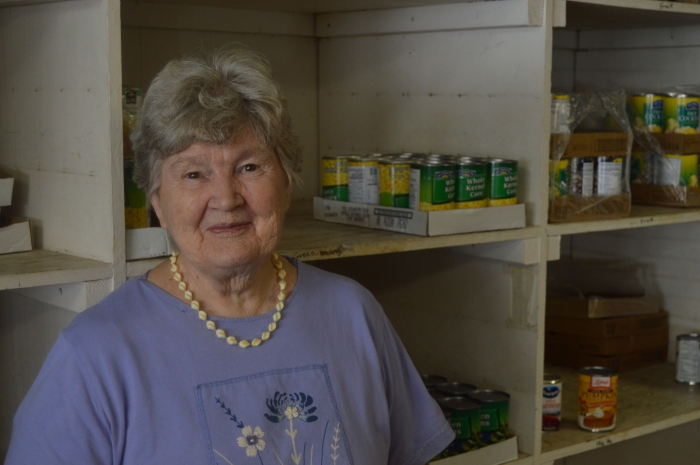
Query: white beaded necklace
<point>281,274</point>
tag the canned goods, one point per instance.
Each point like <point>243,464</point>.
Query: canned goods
<point>363,180</point>
<point>582,177</point>
<point>642,168</point>
<point>559,175</point>
<point>465,419</point>
<point>455,388</point>
<point>435,394</point>
<point>471,183</point>
<point>561,111</point>
<point>676,170</point>
<point>609,175</point>
<point>647,110</point>
<point>432,185</point>
<point>551,403</point>
<point>394,182</point>
<point>688,358</point>
<point>431,380</point>
<point>495,414</point>
<point>335,177</point>
<point>503,182</point>
<point>681,113</point>
<point>597,397</point>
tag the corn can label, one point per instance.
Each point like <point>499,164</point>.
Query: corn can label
<point>335,178</point>
<point>681,114</point>
<point>471,185</point>
<point>559,178</point>
<point>676,170</point>
<point>432,187</point>
<point>503,182</point>
<point>597,399</point>
<point>647,110</point>
<point>363,181</point>
<point>394,184</point>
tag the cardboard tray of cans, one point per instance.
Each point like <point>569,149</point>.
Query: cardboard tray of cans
<point>680,144</point>
<point>493,454</point>
<point>588,144</point>
<point>421,223</point>
<point>665,196</point>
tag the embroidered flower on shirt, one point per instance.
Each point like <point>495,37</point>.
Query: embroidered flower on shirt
<point>291,406</point>
<point>252,440</point>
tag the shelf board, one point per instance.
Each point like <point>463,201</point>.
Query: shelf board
<point>43,268</point>
<point>649,400</point>
<point>305,238</point>
<point>640,217</point>
<point>628,14</point>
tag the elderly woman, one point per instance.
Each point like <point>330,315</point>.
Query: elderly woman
<point>227,353</point>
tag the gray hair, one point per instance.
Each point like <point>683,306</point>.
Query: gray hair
<point>212,98</point>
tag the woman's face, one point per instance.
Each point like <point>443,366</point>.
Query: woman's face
<point>223,205</point>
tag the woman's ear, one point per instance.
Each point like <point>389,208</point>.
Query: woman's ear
<point>155,203</point>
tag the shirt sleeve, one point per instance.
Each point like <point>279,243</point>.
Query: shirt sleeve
<point>419,430</point>
<point>58,421</point>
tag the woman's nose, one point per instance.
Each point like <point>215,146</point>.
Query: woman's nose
<point>226,193</point>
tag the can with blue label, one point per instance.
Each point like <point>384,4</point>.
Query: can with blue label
<point>551,403</point>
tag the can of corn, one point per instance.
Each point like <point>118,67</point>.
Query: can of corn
<point>363,180</point>
<point>642,168</point>
<point>432,185</point>
<point>394,182</point>
<point>559,176</point>
<point>647,111</point>
<point>503,182</point>
<point>609,175</point>
<point>597,397</point>
<point>471,183</point>
<point>676,170</point>
<point>335,177</point>
<point>495,414</point>
<point>681,113</point>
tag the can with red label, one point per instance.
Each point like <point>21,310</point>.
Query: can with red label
<point>551,403</point>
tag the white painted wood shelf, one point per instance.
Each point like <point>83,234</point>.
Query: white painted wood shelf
<point>640,217</point>
<point>43,268</point>
<point>649,400</point>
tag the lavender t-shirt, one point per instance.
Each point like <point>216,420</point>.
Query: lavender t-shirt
<point>138,379</point>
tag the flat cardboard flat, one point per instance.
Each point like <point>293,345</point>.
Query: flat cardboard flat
<point>493,454</point>
<point>147,243</point>
<point>15,235</point>
<point>608,345</point>
<point>607,327</point>
<point>588,144</point>
<point>665,196</point>
<point>621,363</point>
<point>7,182</point>
<point>676,144</point>
<point>567,209</point>
<point>420,223</point>
<point>601,307</point>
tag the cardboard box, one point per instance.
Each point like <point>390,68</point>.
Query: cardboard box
<point>601,307</point>
<point>677,144</point>
<point>420,223</point>
<point>665,196</point>
<point>16,235</point>
<point>588,144</point>
<point>7,182</point>
<point>567,209</point>
<point>607,327</point>
<point>494,454</point>
<point>608,345</point>
<point>147,243</point>
<point>621,363</point>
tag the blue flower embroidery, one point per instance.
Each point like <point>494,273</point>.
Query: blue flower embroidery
<point>291,406</point>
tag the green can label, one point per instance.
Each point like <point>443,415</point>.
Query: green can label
<point>431,186</point>
<point>467,426</point>
<point>494,422</point>
<point>336,193</point>
<point>471,182</point>
<point>504,180</point>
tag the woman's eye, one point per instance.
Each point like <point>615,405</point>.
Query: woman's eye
<point>250,168</point>
<point>193,175</point>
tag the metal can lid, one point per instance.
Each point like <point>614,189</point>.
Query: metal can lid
<point>435,394</point>
<point>431,162</point>
<point>337,157</point>
<point>455,388</point>
<point>500,160</point>
<point>432,380</point>
<point>645,94</point>
<point>394,161</point>
<point>688,337</point>
<point>551,378</point>
<point>459,404</point>
<point>597,371</point>
<point>472,161</point>
<point>487,396</point>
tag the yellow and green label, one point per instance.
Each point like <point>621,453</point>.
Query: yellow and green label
<point>394,184</point>
<point>681,114</point>
<point>559,178</point>
<point>334,173</point>
<point>676,170</point>
<point>472,181</point>
<point>647,110</point>
<point>503,180</point>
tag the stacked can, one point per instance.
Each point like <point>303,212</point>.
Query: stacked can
<point>363,180</point>
<point>681,113</point>
<point>503,182</point>
<point>465,419</point>
<point>688,358</point>
<point>335,177</point>
<point>432,184</point>
<point>394,182</point>
<point>646,110</point>
<point>560,114</point>
<point>495,414</point>
<point>551,403</point>
<point>472,183</point>
<point>597,395</point>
